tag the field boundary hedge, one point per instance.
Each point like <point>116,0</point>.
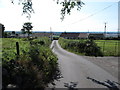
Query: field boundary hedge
<point>86,47</point>
<point>82,47</point>
<point>35,67</point>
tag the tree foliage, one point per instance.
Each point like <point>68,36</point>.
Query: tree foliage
<point>2,30</point>
<point>67,6</point>
<point>27,7</point>
<point>6,34</point>
<point>27,27</point>
<point>13,32</point>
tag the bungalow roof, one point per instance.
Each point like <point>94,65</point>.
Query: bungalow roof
<point>69,35</point>
<point>43,34</point>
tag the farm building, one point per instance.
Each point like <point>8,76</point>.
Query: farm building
<point>83,35</point>
<point>2,28</point>
<point>70,35</point>
<point>112,35</point>
<point>96,36</point>
<point>74,35</point>
<point>42,34</point>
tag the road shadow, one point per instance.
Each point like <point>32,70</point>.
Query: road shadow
<point>71,85</point>
<point>68,86</point>
<point>111,85</point>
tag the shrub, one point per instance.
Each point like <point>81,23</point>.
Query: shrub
<point>87,47</point>
<point>91,49</point>
<point>33,69</point>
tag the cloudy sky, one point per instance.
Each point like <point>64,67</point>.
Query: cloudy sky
<point>91,17</point>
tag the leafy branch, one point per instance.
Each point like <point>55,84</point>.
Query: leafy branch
<point>27,7</point>
<point>67,6</point>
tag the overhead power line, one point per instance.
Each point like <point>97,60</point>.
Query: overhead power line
<point>91,15</point>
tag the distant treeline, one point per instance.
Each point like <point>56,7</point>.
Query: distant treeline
<point>67,32</point>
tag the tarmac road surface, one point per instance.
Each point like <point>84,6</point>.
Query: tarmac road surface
<point>75,68</point>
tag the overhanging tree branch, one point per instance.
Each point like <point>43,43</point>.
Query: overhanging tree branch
<point>67,6</point>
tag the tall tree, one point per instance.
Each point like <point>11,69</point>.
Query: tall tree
<point>2,29</point>
<point>13,32</point>
<point>7,34</point>
<point>27,28</point>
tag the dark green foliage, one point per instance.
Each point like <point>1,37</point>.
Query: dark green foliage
<point>55,38</point>
<point>86,47</point>
<point>2,30</point>
<point>6,34</point>
<point>91,49</point>
<point>27,27</point>
<point>27,7</point>
<point>13,32</point>
<point>34,68</point>
<point>23,31</point>
<point>69,5</point>
<point>37,42</point>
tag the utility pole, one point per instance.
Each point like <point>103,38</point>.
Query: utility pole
<point>51,33</point>
<point>88,34</point>
<point>105,30</point>
<point>118,33</point>
<point>104,36</point>
<point>88,31</point>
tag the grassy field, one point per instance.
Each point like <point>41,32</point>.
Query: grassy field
<point>109,47</point>
<point>9,47</point>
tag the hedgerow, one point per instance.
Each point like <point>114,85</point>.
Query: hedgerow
<point>84,47</point>
<point>34,68</point>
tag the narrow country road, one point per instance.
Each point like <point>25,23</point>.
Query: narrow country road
<point>75,68</point>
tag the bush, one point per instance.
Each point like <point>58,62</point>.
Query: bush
<point>33,69</point>
<point>86,47</point>
<point>91,49</point>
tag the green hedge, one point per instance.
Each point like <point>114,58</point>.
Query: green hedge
<point>35,67</point>
<point>83,47</point>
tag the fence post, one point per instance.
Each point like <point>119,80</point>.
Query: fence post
<point>103,46</point>
<point>17,48</point>
<point>116,48</point>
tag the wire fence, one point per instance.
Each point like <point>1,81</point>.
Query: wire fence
<point>13,49</point>
<point>109,48</point>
